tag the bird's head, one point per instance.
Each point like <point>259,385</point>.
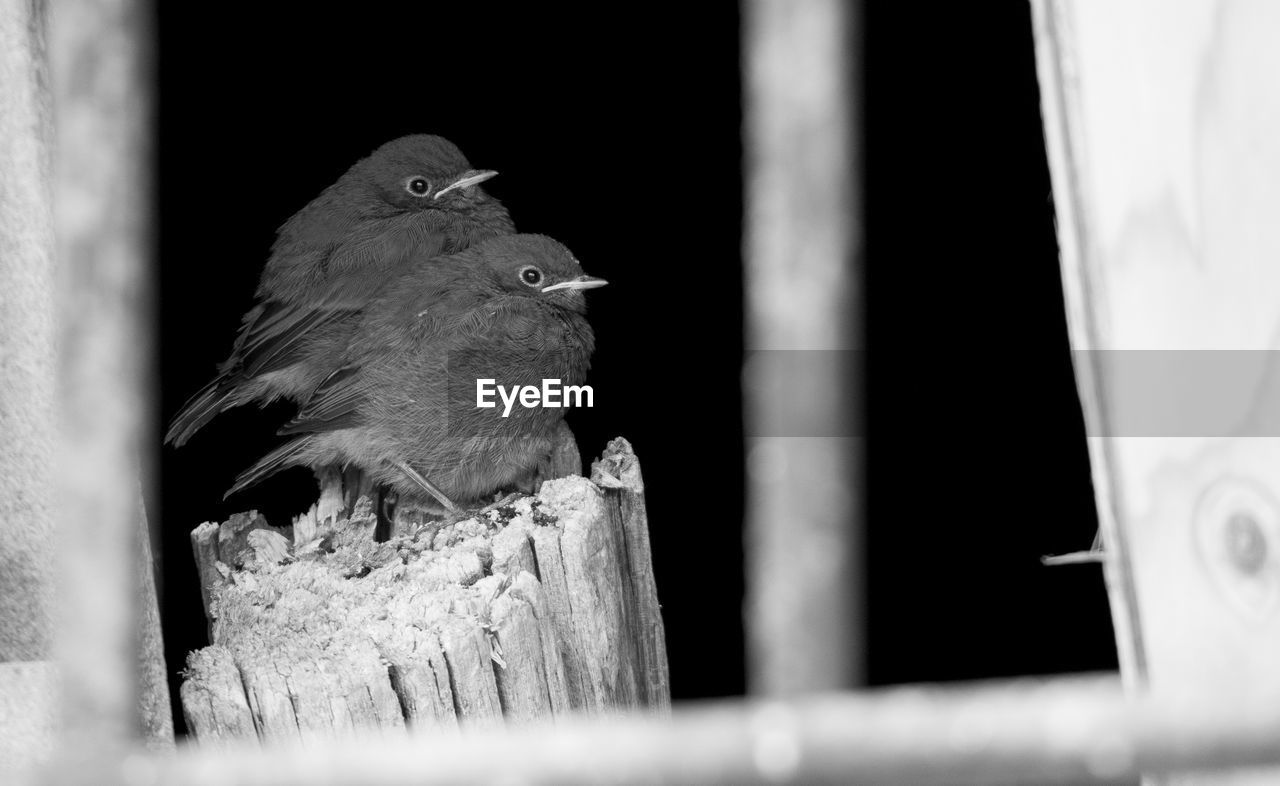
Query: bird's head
<point>422,173</point>
<point>536,267</point>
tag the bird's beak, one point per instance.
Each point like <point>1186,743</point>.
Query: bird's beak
<point>469,178</point>
<point>581,282</point>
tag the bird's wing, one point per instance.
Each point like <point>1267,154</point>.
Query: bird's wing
<point>197,412</point>
<point>393,334</point>
<point>273,336</point>
<point>283,457</point>
<point>334,405</point>
<point>273,333</point>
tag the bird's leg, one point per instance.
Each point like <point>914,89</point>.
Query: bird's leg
<point>502,502</point>
<point>356,483</point>
<point>387,499</point>
<point>426,485</point>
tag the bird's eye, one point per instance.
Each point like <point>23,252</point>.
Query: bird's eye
<point>418,186</point>
<point>531,275</point>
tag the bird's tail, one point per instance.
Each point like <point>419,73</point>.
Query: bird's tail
<point>198,411</point>
<point>287,455</point>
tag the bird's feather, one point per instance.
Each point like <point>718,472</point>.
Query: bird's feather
<point>283,457</point>
<point>278,338</point>
<point>196,413</point>
<point>334,405</point>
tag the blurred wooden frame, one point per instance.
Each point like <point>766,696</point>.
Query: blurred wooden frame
<point>802,284</point>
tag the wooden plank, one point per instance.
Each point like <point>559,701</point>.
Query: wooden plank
<point>1163,129</point>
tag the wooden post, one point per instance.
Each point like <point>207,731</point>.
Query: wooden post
<point>1163,129</point>
<point>531,610</point>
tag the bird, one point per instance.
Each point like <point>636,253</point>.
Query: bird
<point>402,407</point>
<point>413,198</point>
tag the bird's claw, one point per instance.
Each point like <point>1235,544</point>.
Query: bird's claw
<point>500,503</point>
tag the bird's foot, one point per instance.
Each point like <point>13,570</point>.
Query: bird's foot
<point>502,502</point>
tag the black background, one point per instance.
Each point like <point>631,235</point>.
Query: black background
<point>618,133</point>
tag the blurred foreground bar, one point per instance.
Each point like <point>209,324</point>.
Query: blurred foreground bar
<point>804,587</point>
<point>99,51</point>
<point>1076,730</point>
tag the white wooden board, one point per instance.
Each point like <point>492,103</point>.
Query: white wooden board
<point>1163,126</point>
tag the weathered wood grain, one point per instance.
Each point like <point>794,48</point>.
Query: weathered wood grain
<point>213,699</point>
<point>1163,129</point>
<point>475,688</point>
<point>551,574</point>
<point>420,677</point>
<point>592,554</point>
<point>154,703</point>
<point>220,548</point>
<point>531,676</point>
<point>617,472</point>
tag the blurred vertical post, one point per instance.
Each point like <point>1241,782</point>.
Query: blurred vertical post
<point>802,231</point>
<point>99,56</point>
<point>26,338</point>
<point>27,424</point>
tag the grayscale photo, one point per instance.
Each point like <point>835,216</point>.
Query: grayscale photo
<point>759,392</point>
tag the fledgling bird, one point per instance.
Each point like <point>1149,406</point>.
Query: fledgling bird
<point>404,407</point>
<point>413,198</point>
